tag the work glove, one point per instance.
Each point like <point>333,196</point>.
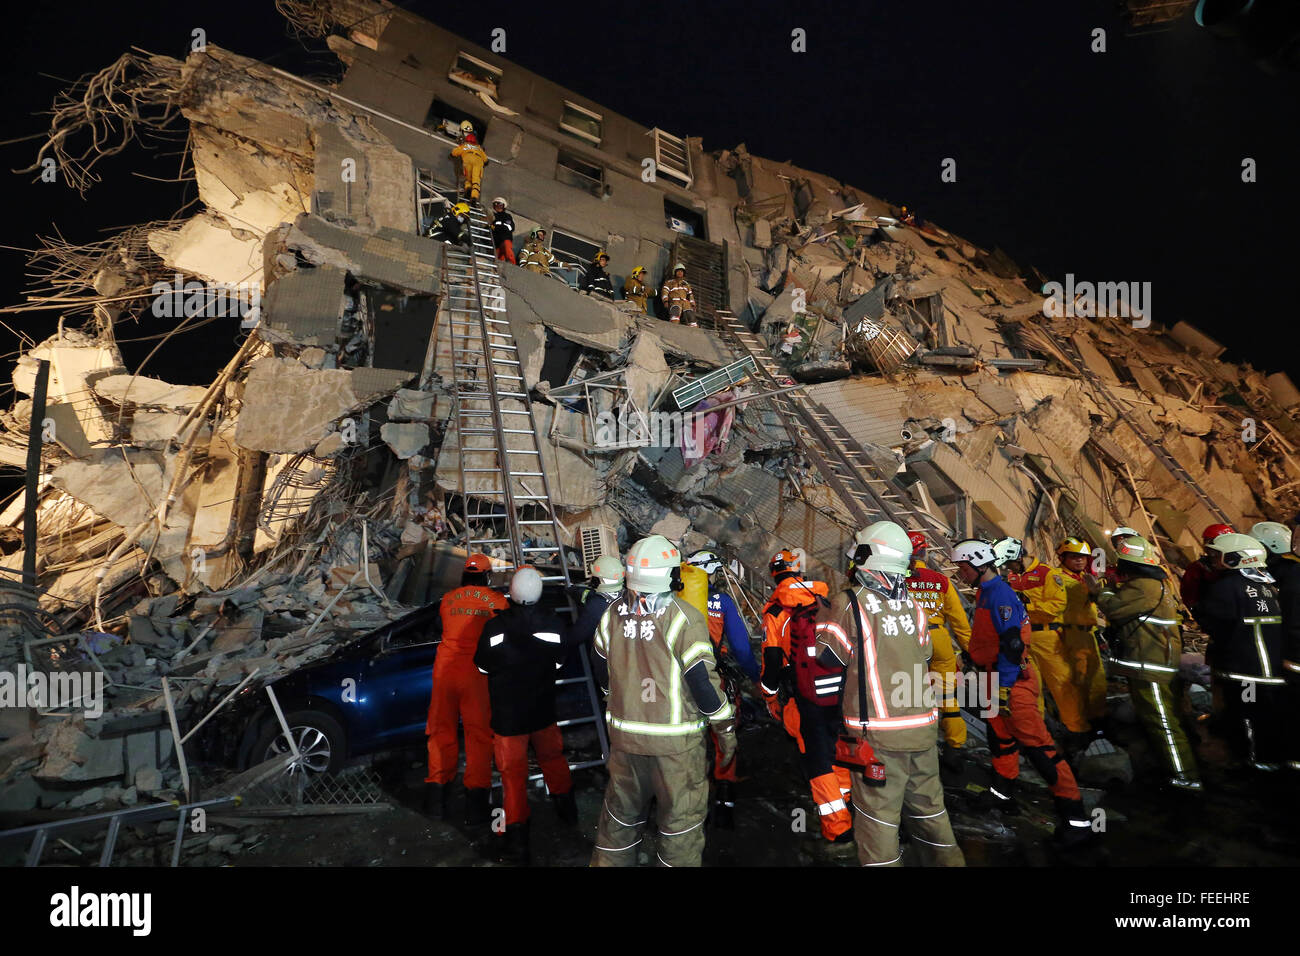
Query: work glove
<point>726,734</point>
<point>1011,645</point>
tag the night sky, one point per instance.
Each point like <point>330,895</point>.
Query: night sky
<point>1116,166</point>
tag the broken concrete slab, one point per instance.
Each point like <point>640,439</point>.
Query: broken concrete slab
<point>289,408</point>
<point>411,405</point>
<point>304,307</point>
<point>139,390</point>
<point>73,756</point>
<point>541,300</point>
<point>405,438</point>
<point>206,246</point>
<point>403,260</point>
<point>123,485</point>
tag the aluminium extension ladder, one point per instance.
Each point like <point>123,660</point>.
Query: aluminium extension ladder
<point>865,491</point>
<point>497,438</point>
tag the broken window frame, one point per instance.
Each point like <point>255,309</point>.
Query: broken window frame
<point>470,79</point>
<point>567,172</point>
<point>567,257</point>
<point>665,146</point>
<point>578,131</point>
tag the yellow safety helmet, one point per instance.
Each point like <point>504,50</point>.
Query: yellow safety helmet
<point>1073,545</point>
<point>600,255</point>
<point>461,209</point>
<point>466,126</point>
<point>639,270</point>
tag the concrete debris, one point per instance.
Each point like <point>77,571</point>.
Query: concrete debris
<point>207,531</point>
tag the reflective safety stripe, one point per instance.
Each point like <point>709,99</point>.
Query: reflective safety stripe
<point>812,650</point>
<point>927,816</point>
<point>662,860</point>
<point>838,633</point>
<point>1250,678</point>
<point>696,651</point>
<point>655,730</point>
<point>887,862</point>
<point>881,822</point>
<point>680,832</point>
<point>915,837</point>
<point>482,671</point>
<point>1158,620</point>
<point>894,723</point>
<point>550,637</point>
<point>1165,728</point>
<point>616,849</point>
<point>835,806</point>
<point>494,640</point>
<point>830,679</point>
<point>1142,665</point>
<point>620,822</point>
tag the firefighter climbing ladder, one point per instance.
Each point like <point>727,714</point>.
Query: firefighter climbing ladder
<point>1156,448</point>
<point>497,438</point>
<point>853,476</point>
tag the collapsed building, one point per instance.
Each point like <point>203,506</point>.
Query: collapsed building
<point>848,367</point>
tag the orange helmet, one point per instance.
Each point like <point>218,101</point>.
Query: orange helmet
<point>478,562</point>
<point>783,561</point>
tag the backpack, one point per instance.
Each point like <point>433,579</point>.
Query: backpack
<point>814,683</point>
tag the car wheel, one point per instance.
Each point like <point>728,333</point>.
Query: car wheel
<point>321,742</point>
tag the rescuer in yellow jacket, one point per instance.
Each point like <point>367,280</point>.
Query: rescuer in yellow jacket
<point>1079,623</point>
<point>472,160</point>
<point>1042,591</point>
<point>947,620</point>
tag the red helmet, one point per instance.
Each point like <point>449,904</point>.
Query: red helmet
<point>1214,530</point>
<point>478,562</point>
<point>918,541</point>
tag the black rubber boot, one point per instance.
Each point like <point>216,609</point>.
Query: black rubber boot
<point>436,798</point>
<point>950,759</point>
<point>515,849</point>
<point>1000,795</point>
<point>724,805</point>
<point>478,811</point>
<point>566,808</point>
<point>1075,828</point>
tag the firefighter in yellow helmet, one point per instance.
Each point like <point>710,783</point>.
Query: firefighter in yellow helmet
<point>654,655</point>
<point>535,257</point>
<point>1042,591</point>
<point>679,297</point>
<point>1079,622</point>
<point>636,290</point>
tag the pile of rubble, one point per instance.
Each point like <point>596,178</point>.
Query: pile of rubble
<point>311,491</point>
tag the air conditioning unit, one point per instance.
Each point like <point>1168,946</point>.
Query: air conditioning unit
<point>596,539</point>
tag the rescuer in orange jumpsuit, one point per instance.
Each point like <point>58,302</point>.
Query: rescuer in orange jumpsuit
<point>803,694</point>
<point>460,692</point>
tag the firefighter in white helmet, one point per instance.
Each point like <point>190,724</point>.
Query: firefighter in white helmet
<point>1242,612</point>
<point>876,631</point>
<point>678,297</point>
<point>654,655</point>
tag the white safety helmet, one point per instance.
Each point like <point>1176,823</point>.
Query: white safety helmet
<point>706,561</point>
<point>1273,535</point>
<point>608,570</point>
<point>1123,532</point>
<point>1008,549</point>
<point>526,585</point>
<point>883,546</point>
<point>650,565</point>
<point>678,266</point>
<point>501,200</point>
<point>466,126</point>
<point>1240,550</point>
<point>978,554</point>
